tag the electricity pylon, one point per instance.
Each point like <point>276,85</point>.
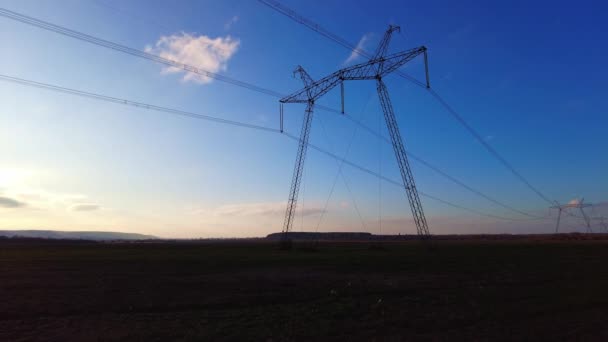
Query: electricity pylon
<point>602,222</point>
<point>301,155</point>
<point>376,68</point>
<point>578,205</point>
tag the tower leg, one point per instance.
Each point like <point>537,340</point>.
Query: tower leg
<point>404,166</point>
<point>297,174</point>
<point>586,220</point>
<point>559,216</point>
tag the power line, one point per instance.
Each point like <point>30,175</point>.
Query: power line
<point>155,58</point>
<point>394,182</point>
<point>133,103</point>
<point>341,174</point>
<point>147,106</point>
<point>488,147</point>
<point>448,176</point>
<point>142,54</point>
<point>106,5</point>
<point>188,68</point>
<point>278,7</point>
<point>131,51</point>
<point>433,167</point>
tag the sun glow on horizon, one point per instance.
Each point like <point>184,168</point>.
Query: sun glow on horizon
<point>11,177</point>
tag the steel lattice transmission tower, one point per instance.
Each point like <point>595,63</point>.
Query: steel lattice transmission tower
<point>376,68</point>
<point>602,222</point>
<point>576,205</point>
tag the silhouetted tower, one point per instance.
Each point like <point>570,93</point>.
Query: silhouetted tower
<point>302,147</point>
<point>376,68</point>
<point>578,205</point>
<point>602,222</point>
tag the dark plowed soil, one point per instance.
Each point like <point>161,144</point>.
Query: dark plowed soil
<point>445,290</point>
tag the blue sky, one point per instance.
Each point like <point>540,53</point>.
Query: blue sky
<point>528,76</point>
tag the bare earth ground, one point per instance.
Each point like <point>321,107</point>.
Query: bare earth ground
<point>451,290</point>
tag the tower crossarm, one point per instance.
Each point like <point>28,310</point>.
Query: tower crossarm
<point>373,69</point>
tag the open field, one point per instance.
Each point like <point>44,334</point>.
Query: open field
<point>456,290</point>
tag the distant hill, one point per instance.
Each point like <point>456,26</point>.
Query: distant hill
<point>56,234</point>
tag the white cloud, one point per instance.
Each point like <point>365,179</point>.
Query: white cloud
<point>232,21</point>
<point>360,47</point>
<point>574,202</point>
<point>199,51</point>
<point>263,209</point>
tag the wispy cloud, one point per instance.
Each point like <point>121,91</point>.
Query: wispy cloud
<point>199,51</point>
<point>7,202</point>
<point>574,201</point>
<point>262,209</point>
<point>232,21</point>
<point>360,47</point>
<point>85,207</point>
<point>39,199</point>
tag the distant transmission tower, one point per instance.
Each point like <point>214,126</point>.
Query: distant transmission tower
<point>376,68</point>
<point>578,205</point>
<point>602,222</point>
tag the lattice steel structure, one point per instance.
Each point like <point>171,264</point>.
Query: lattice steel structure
<point>376,68</point>
<point>602,222</point>
<point>578,205</point>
